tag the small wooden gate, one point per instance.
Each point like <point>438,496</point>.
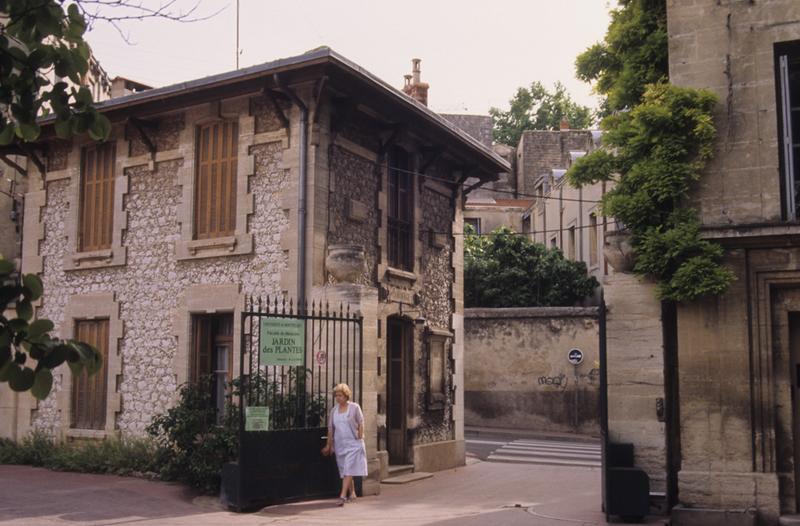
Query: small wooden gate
<point>289,362</point>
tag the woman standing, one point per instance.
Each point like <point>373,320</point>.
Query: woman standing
<point>346,439</point>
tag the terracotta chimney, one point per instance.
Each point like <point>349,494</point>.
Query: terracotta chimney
<point>414,87</point>
<point>564,124</point>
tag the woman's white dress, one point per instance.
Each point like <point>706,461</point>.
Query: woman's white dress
<point>351,453</point>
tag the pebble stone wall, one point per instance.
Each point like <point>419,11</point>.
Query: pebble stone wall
<point>149,287</point>
<point>436,305</point>
<point>355,178</point>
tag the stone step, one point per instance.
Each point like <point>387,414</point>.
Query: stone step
<point>407,478</point>
<point>789,520</point>
<point>400,469</point>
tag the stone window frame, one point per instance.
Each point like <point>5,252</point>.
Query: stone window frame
<point>436,400</point>
<point>89,307</point>
<point>241,242</point>
<point>116,255</point>
<point>205,299</point>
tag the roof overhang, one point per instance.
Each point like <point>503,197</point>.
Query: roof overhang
<point>481,161</point>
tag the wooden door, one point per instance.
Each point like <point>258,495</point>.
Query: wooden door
<point>89,392</point>
<point>399,348</point>
<point>794,368</point>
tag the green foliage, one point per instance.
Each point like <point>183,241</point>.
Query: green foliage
<point>632,55</point>
<point>288,409</point>
<point>23,339</point>
<point>192,446</point>
<point>536,108</point>
<point>509,270</point>
<point>655,152</point>
<point>39,36</point>
<point>113,456</point>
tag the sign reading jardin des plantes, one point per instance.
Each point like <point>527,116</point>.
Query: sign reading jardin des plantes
<point>256,418</point>
<point>283,341</point>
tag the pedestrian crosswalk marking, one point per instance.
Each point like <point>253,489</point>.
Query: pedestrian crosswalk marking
<point>544,452</point>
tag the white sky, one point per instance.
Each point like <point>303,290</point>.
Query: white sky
<point>475,54</point>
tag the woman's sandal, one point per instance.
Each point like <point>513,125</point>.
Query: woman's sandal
<point>351,498</point>
<point>340,501</point>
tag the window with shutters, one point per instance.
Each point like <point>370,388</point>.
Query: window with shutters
<point>401,211</point>
<point>215,183</point>
<point>787,55</point>
<point>97,197</point>
<point>89,393</point>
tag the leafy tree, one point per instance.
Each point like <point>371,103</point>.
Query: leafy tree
<point>633,54</point>
<point>23,339</point>
<point>39,38</point>
<point>536,108</point>
<point>509,270</point>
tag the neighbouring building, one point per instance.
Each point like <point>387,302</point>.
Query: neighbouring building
<point>148,243</point>
<point>707,391</point>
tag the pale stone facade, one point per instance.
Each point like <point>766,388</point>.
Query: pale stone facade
<point>729,363</point>
<point>156,276</point>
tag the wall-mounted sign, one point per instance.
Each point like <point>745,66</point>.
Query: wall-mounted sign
<point>256,418</point>
<point>575,356</point>
<point>283,341</point>
<point>322,358</point>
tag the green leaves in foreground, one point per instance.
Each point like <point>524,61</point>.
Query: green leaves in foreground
<point>39,36</point>
<point>28,353</point>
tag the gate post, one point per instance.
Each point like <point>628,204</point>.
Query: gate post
<point>363,300</point>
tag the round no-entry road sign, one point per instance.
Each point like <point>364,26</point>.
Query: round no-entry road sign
<point>575,356</point>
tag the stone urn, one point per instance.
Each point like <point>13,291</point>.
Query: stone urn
<point>346,262</point>
<point>618,250</point>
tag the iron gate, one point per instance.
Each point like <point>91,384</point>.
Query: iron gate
<point>290,360</point>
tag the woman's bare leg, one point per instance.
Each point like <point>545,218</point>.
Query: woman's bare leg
<point>346,483</point>
<point>352,487</point>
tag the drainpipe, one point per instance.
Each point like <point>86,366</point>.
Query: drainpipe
<point>301,191</point>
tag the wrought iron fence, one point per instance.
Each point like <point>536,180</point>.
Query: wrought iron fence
<point>291,358</point>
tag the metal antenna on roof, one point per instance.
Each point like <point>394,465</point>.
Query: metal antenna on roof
<point>237,34</point>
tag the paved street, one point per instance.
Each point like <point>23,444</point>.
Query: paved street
<point>493,492</point>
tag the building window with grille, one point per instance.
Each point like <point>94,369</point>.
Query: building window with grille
<point>474,222</point>
<point>89,392</point>
<point>96,197</point>
<point>787,56</point>
<point>215,184</point>
<point>593,240</point>
<point>401,211</point>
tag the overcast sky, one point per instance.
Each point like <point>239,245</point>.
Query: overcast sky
<point>475,54</point>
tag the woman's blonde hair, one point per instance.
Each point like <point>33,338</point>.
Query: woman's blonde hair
<point>344,389</point>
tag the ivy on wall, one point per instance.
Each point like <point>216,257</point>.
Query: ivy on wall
<point>658,139</point>
<point>654,153</point>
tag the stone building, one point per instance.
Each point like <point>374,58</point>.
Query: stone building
<point>714,407</point>
<point>559,215</point>
<point>161,254</point>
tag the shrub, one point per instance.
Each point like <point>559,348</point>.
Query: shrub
<point>192,446</point>
<point>112,455</point>
<point>510,270</point>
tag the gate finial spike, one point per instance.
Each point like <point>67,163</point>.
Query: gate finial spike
<point>291,305</point>
<point>327,307</point>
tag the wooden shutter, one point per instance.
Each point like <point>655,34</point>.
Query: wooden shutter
<point>89,393</point>
<point>97,197</point>
<point>215,184</point>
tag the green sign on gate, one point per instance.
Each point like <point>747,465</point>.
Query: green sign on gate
<point>256,418</point>
<point>283,341</point>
